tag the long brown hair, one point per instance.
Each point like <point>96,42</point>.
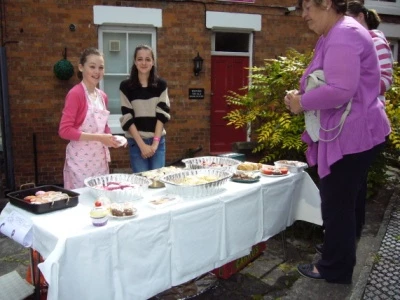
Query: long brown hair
<point>354,8</point>
<point>134,76</point>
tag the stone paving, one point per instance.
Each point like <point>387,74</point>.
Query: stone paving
<point>384,279</point>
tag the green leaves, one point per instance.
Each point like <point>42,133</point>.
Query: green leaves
<point>276,131</point>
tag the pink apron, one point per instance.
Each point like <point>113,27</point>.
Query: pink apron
<point>87,158</point>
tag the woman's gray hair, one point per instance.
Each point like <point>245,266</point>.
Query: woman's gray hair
<point>340,6</point>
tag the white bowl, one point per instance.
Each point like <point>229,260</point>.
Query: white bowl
<point>292,165</point>
<point>192,190</point>
<point>136,186</point>
<point>212,162</point>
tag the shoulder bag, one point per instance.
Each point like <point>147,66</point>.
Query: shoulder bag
<point>312,117</point>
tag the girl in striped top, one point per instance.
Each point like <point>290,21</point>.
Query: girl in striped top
<point>370,19</point>
<point>145,109</point>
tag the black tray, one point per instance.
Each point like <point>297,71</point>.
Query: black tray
<point>17,198</point>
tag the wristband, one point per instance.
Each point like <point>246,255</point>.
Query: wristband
<point>156,139</point>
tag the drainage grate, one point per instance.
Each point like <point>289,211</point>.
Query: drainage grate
<point>384,279</point>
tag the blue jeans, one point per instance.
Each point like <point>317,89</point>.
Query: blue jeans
<point>140,164</point>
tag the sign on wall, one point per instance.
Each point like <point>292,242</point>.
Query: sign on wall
<point>243,1</point>
<point>196,93</point>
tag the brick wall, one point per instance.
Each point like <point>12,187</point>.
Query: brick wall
<point>36,96</point>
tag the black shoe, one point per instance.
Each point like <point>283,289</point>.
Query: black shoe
<point>307,271</point>
<point>319,247</point>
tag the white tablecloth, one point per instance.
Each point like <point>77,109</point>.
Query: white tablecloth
<point>140,257</point>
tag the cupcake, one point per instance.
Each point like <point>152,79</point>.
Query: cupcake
<point>117,210</point>
<point>99,214</point>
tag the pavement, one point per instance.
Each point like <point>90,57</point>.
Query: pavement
<point>273,275</point>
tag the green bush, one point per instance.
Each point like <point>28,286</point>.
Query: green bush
<point>276,131</point>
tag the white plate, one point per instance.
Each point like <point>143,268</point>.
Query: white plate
<point>272,175</point>
<point>120,139</point>
<point>163,201</point>
<point>248,180</point>
<point>122,217</point>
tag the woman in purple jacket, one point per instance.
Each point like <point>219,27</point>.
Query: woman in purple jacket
<point>346,54</point>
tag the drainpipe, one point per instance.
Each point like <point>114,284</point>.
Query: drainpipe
<point>5,123</point>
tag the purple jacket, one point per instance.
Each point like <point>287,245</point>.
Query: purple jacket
<point>348,58</point>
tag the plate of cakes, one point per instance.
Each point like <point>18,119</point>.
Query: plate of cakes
<point>244,177</point>
<point>123,210</point>
<point>249,167</point>
<point>273,171</point>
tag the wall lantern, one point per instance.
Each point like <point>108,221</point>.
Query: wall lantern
<point>198,64</point>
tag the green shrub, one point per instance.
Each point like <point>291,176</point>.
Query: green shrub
<point>276,131</point>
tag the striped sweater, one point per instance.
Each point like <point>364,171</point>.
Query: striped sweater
<point>385,61</point>
<point>143,107</point>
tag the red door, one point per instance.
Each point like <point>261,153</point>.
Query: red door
<point>228,73</point>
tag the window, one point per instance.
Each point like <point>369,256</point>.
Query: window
<point>118,45</point>
<point>388,7</point>
<point>394,45</point>
<point>231,42</point>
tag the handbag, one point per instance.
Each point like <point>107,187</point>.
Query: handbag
<point>312,117</point>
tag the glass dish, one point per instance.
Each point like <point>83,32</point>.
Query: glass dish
<point>212,162</point>
<point>136,186</point>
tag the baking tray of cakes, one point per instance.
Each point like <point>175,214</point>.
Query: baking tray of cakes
<point>44,199</point>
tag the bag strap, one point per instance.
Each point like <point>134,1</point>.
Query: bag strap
<point>341,123</point>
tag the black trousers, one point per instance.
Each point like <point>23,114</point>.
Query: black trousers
<point>362,196</point>
<point>339,193</point>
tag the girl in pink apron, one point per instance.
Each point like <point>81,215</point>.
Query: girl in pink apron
<point>84,124</point>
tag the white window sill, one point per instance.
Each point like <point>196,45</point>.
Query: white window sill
<point>115,125</point>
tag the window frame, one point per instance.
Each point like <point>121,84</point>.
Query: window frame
<point>395,52</point>
<point>113,120</point>
<point>383,7</point>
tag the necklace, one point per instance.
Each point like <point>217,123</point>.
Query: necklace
<point>93,96</point>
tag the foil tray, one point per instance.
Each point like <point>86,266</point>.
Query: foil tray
<point>173,185</point>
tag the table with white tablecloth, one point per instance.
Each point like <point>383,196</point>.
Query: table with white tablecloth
<point>140,257</point>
